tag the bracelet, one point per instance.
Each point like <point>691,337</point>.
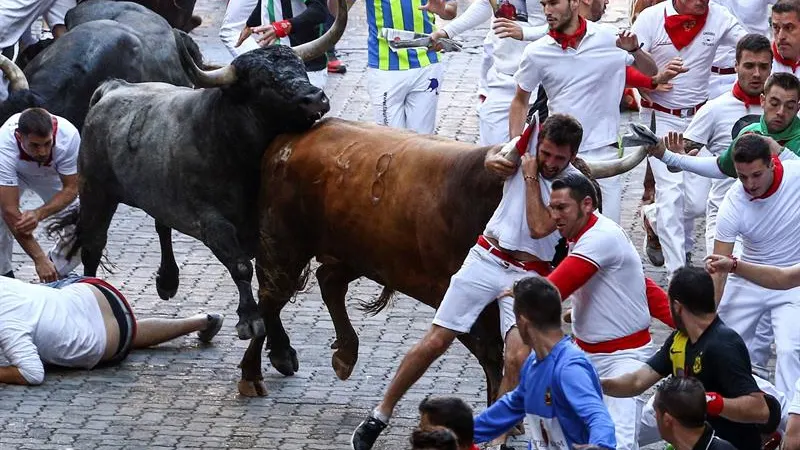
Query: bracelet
<point>735,263</point>
<point>636,49</point>
<point>530,178</point>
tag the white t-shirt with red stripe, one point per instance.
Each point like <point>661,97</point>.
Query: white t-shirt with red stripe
<point>612,304</point>
<point>769,227</point>
<point>690,88</point>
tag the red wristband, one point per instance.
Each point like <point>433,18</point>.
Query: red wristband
<point>714,404</point>
<point>735,263</point>
<point>282,28</point>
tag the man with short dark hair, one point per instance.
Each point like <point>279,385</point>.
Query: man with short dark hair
<point>786,36</point>
<point>438,438</point>
<point>680,406</point>
<point>559,393</point>
<point>703,347</point>
<point>38,152</point>
<point>510,248</point>
<point>451,413</point>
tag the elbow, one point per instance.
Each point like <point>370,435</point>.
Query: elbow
<point>539,234</point>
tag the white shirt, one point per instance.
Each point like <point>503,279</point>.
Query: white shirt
<point>613,303</point>
<point>507,52</point>
<point>715,126</point>
<point>778,67</point>
<point>56,326</point>
<point>769,227</point>
<point>509,223</point>
<point>585,83</point>
<point>794,408</point>
<point>753,15</point>
<point>690,88</point>
<point>64,156</point>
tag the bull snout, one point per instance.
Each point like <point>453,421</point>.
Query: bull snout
<point>315,104</point>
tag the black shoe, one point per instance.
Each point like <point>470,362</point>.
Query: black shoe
<point>214,324</point>
<point>366,434</point>
<point>9,274</point>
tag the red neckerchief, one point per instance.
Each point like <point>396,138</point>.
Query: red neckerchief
<point>748,100</point>
<point>777,177</point>
<point>782,60</point>
<point>570,40</point>
<point>683,28</point>
<point>25,157</point>
<point>475,447</point>
<point>589,224</point>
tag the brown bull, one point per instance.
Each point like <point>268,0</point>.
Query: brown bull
<point>399,208</point>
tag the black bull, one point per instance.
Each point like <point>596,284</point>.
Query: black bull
<point>189,158</point>
<point>398,208</point>
<point>105,40</point>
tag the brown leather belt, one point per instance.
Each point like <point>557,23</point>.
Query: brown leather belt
<point>682,112</point>
<point>723,70</point>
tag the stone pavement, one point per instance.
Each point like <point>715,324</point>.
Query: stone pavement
<point>183,394</point>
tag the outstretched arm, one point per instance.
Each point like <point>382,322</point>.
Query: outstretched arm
<point>770,277</point>
<point>631,384</point>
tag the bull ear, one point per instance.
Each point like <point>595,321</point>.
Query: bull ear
<point>319,46</point>
<point>16,78</point>
<point>202,78</point>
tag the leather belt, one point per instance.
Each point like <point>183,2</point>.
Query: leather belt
<point>723,70</point>
<point>541,267</point>
<point>681,112</point>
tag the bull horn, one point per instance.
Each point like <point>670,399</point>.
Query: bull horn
<point>16,78</point>
<point>319,46</point>
<point>223,76</point>
<point>608,169</point>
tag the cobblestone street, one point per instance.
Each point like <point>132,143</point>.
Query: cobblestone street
<point>183,394</point>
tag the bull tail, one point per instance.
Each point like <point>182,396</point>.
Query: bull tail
<point>60,226</point>
<point>372,308</point>
<point>188,48</point>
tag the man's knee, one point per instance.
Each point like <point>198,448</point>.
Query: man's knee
<point>516,352</point>
<point>438,339</point>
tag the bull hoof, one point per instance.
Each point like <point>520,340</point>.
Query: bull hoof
<point>284,361</point>
<point>250,330</point>
<point>343,363</point>
<point>165,292</point>
<point>192,23</point>
<point>335,344</point>
<point>252,388</point>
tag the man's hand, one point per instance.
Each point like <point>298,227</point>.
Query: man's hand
<point>670,71</point>
<point>657,150</point>
<point>718,264</point>
<point>506,28</point>
<point>499,165</point>
<point>46,270</point>
<point>530,168</point>
<point>674,143</point>
<point>28,221</point>
<point>628,41</point>
<point>435,36</point>
<point>266,34</point>
<point>246,32</point>
<point>434,7</point>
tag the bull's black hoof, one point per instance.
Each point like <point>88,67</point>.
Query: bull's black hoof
<point>250,330</point>
<point>165,291</point>
<point>284,361</point>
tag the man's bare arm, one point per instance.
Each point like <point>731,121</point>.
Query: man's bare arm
<point>750,408</point>
<point>62,199</point>
<point>631,384</point>
<point>11,375</point>
<point>518,112</point>
<point>720,278</point>
<point>9,209</point>
<point>540,222</point>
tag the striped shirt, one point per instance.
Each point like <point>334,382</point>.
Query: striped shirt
<point>402,15</point>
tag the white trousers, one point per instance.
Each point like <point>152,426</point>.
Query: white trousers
<point>610,188</point>
<point>236,15</point>
<point>45,188</point>
<point>406,98</point>
<point>742,307</point>
<point>720,84</point>
<point>680,197</point>
<point>17,16</point>
<point>493,112</point>
<point>625,412</point>
<point>486,63</point>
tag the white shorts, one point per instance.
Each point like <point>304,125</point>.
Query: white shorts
<point>493,112</point>
<point>236,15</point>
<point>482,278</point>
<point>406,98</point>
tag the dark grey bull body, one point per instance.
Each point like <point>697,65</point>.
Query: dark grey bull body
<point>105,40</point>
<point>190,158</point>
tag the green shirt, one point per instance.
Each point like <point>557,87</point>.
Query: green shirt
<point>789,138</point>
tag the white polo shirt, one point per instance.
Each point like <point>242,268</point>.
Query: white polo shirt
<point>768,227</point>
<point>506,52</point>
<point>715,126</point>
<point>55,326</point>
<point>585,82</point>
<point>613,303</point>
<point>778,67</point>
<point>64,157</point>
<point>690,88</point>
<point>509,223</point>
<point>753,15</point>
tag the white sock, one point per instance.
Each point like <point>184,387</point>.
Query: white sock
<point>380,416</point>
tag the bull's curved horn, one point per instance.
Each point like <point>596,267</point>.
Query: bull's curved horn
<point>16,78</point>
<point>319,46</point>
<point>223,76</point>
<point>607,169</point>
